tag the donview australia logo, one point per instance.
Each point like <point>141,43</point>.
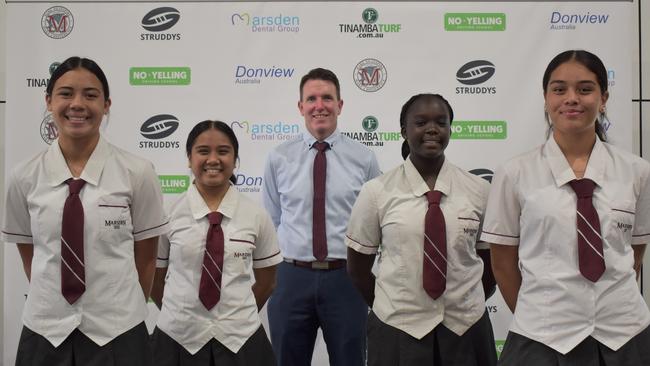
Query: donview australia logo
<point>57,22</point>
<point>159,20</point>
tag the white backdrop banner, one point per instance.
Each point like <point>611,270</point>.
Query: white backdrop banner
<point>171,65</point>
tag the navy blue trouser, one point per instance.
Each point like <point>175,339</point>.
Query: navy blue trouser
<point>306,299</point>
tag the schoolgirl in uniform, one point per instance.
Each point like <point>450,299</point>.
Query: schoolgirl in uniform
<point>86,216</point>
<point>428,302</point>
<point>568,222</point>
<point>219,261</point>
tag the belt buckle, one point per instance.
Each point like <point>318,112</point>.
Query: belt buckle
<point>320,265</point>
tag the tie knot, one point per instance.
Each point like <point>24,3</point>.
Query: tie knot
<point>215,218</point>
<point>75,185</point>
<point>434,197</point>
<point>321,146</point>
<point>584,188</point>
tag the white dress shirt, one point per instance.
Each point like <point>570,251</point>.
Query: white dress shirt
<point>289,190</point>
<point>249,242</point>
<point>532,206</point>
<point>389,217</point>
<point>122,204</point>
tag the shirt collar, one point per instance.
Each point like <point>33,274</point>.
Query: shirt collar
<point>332,139</point>
<point>419,186</point>
<point>200,209</point>
<point>562,172</point>
<point>57,169</point>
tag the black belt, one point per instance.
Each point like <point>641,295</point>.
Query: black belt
<point>326,265</point>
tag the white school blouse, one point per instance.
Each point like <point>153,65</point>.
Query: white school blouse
<point>389,216</point>
<point>122,203</point>
<point>532,206</point>
<point>249,242</point>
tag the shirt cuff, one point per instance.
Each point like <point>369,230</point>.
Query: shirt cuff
<point>497,238</point>
<point>9,237</point>
<point>361,248</point>
<point>269,261</point>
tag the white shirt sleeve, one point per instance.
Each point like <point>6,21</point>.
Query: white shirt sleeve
<point>641,233</point>
<point>16,226</point>
<point>501,223</point>
<point>149,218</point>
<point>266,252</point>
<point>364,229</point>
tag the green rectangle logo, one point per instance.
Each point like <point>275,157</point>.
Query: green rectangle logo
<point>160,76</point>
<point>479,130</point>
<point>172,184</point>
<point>475,22</point>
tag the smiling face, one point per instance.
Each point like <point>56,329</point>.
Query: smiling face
<point>320,107</point>
<point>573,99</point>
<point>427,128</point>
<point>78,104</point>
<point>212,160</point>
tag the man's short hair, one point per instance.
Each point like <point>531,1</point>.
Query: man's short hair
<point>321,74</point>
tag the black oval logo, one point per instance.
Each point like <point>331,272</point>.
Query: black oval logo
<point>159,127</point>
<point>483,173</point>
<point>475,72</point>
<point>160,19</point>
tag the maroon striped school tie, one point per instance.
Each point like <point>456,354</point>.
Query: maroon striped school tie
<point>73,273</point>
<point>434,270</point>
<point>590,244</point>
<point>318,229</point>
<point>210,287</point>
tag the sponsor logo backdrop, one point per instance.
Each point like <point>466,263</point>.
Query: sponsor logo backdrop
<point>171,65</point>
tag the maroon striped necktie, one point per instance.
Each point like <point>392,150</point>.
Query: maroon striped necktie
<point>434,270</point>
<point>210,287</point>
<point>73,273</point>
<point>318,228</point>
<point>590,244</point>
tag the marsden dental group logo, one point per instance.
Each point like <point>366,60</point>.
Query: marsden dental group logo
<point>280,23</point>
<point>266,131</point>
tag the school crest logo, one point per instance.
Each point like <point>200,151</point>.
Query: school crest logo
<point>49,132</point>
<point>57,22</point>
<point>370,75</point>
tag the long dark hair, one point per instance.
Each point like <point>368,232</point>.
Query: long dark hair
<point>73,63</point>
<point>406,150</point>
<point>592,63</point>
<point>212,125</point>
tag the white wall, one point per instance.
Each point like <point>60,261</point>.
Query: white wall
<point>643,96</point>
<point>2,150</point>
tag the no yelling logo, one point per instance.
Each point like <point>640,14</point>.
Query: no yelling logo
<point>160,19</point>
<point>475,72</point>
<point>159,127</point>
